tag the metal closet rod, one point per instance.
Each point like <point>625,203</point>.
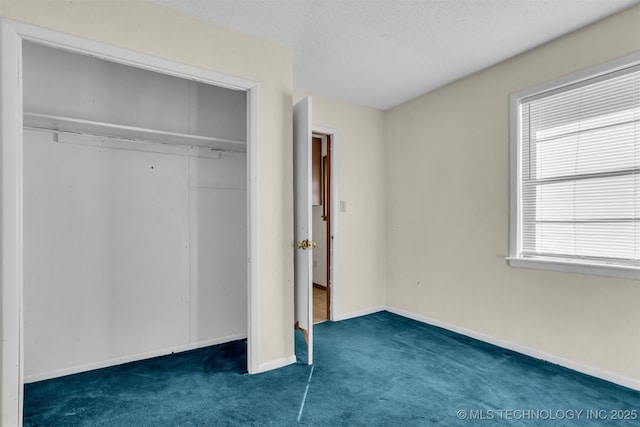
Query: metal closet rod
<point>130,133</point>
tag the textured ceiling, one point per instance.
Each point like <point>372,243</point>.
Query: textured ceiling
<point>380,53</point>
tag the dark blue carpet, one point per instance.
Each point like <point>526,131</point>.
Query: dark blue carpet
<point>380,369</point>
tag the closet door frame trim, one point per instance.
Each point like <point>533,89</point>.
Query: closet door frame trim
<point>12,34</point>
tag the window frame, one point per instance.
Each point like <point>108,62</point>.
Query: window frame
<point>515,258</point>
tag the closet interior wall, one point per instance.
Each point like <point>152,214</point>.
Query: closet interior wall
<point>133,248</point>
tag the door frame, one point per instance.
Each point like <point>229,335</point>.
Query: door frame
<point>12,34</point>
<point>333,232</point>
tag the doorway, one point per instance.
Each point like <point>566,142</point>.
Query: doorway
<point>12,36</point>
<point>321,218</point>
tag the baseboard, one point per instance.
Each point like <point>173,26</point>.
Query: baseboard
<point>131,358</point>
<point>319,286</point>
<point>216,341</point>
<point>358,313</point>
<point>537,354</point>
<point>275,364</point>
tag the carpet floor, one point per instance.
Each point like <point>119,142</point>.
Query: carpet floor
<point>380,369</point>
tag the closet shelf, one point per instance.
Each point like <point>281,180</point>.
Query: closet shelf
<point>110,130</point>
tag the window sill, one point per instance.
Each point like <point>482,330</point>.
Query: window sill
<point>566,266</point>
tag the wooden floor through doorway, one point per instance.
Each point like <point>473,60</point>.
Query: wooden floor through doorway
<point>319,304</point>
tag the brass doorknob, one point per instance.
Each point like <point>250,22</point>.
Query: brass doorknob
<point>305,244</point>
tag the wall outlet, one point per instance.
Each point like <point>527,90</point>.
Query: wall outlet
<point>343,206</point>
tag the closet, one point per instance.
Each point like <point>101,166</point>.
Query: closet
<point>135,213</point>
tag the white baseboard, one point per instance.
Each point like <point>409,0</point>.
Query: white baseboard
<point>358,313</point>
<point>275,364</point>
<point>279,363</point>
<point>131,358</point>
<point>216,341</point>
<point>537,354</point>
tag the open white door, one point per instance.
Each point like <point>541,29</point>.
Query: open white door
<point>302,221</point>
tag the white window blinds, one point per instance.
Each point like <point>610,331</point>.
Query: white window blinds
<point>580,171</point>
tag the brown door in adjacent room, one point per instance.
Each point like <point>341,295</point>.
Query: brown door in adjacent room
<point>321,211</point>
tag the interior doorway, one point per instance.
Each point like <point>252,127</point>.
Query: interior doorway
<point>321,218</point>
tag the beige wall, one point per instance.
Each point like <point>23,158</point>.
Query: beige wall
<point>361,247</point>
<point>448,215</point>
<point>154,30</point>
<point>426,187</point>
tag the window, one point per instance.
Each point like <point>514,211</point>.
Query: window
<point>576,172</point>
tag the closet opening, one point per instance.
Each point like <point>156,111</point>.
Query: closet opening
<point>129,214</point>
<point>135,231</point>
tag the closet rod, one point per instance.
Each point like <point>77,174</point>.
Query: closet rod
<point>131,144</point>
<point>131,133</point>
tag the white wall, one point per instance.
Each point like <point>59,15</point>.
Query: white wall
<point>361,174</point>
<point>217,248</point>
<point>128,254</point>
<point>67,84</point>
<point>448,216</point>
<point>150,29</point>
